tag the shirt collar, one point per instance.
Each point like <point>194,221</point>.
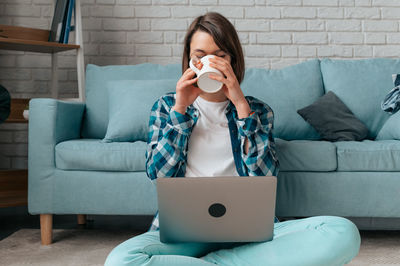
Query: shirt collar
<point>231,108</point>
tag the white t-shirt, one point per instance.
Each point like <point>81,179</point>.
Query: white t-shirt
<point>209,147</point>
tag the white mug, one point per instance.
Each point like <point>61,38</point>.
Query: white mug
<point>204,82</point>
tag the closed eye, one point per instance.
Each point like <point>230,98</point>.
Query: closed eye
<point>221,55</point>
<point>199,56</point>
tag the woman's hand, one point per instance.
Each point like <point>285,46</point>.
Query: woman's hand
<point>231,85</point>
<point>186,92</point>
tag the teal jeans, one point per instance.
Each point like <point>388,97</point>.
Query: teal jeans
<point>318,240</point>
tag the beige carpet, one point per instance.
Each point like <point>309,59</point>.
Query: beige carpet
<point>378,248</point>
<point>70,247</point>
<point>91,247</point>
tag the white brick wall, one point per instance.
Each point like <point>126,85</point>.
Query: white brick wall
<point>13,146</point>
<point>274,34</point>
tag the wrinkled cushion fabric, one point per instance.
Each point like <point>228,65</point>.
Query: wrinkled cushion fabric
<point>333,119</point>
<point>368,155</point>
<point>130,103</point>
<point>319,240</point>
<point>301,155</point>
<point>94,155</point>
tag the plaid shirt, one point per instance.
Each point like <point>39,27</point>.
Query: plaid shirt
<point>169,132</point>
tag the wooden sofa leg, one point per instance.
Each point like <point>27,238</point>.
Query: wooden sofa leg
<point>46,228</point>
<point>82,219</point>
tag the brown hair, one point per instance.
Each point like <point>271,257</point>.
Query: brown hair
<point>225,37</point>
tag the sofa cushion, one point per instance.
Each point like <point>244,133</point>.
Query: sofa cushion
<point>306,155</point>
<point>368,155</point>
<point>130,103</point>
<point>361,85</point>
<point>286,90</point>
<point>94,155</point>
<point>391,128</point>
<point>333,119</point>
<point>96,115</point>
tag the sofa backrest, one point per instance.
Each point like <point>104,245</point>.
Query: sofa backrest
<point>286,90</point>
<point>362,85</point>
<point>96,115</point>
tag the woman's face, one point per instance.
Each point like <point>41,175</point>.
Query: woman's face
<point>203,44</point>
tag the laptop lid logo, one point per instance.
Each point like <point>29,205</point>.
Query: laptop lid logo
<point>217,210</point>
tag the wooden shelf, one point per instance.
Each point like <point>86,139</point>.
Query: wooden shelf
<point>13,188</point>
<point>35,46</point>
<point>29,39</point>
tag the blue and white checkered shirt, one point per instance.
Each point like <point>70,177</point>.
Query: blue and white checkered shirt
<point>169,132</point>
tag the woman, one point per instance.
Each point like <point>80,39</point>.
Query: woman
<point>211,134</point>
<point>193,133</point>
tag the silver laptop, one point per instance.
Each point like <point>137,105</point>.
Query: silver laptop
<point>216,209</point>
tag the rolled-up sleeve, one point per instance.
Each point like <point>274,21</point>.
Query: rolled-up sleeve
<point>167,140</point>
<point>261,158</point>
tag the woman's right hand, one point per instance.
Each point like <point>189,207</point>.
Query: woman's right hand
<point>186,92</point>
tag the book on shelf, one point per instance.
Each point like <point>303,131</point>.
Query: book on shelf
<point>56,25</point>
<point>61,24</point>
<point>67,25</point>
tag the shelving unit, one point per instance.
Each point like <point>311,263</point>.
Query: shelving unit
<point>14,183</point>
<point>36,40</point>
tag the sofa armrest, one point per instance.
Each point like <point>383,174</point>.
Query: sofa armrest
<point>50,121</point>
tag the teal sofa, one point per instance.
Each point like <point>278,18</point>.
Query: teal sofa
<point>71,171</point>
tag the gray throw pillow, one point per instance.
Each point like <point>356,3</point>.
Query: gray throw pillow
<point>333,119</point>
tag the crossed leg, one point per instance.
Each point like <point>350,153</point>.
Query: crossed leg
<point>318,240</point>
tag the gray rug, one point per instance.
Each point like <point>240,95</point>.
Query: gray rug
<point>91,247</point>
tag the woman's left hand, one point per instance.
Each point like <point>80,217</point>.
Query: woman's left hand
<point>231,86</point>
